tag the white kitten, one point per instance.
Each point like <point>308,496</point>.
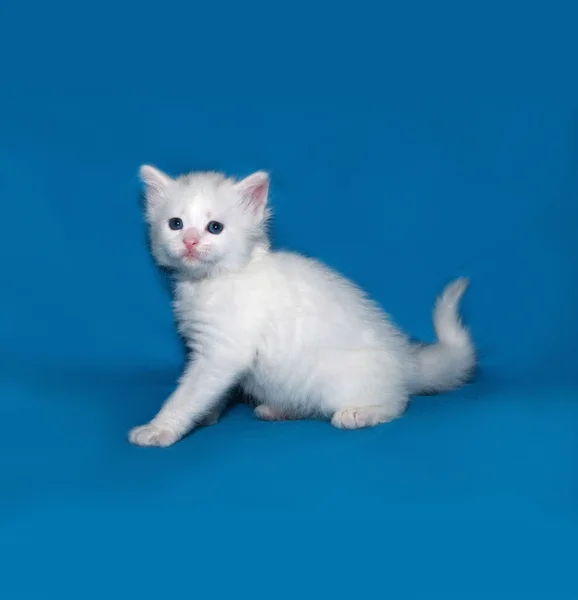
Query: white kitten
<point>300,339</point>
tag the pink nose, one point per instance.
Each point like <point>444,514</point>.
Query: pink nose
<point>190,243</point>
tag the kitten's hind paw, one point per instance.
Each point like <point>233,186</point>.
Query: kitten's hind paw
<point>266,413</point>
<point>152,434</point>
<point>365,416</point>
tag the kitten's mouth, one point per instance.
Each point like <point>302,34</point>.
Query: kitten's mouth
<point>191,256</point>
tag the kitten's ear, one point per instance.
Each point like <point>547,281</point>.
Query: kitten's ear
<point>155,182</point>
<point>254,191</point>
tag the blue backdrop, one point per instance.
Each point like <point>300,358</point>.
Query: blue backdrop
<point>408,143</point>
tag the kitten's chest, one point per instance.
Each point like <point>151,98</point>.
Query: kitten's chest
<point>201,308</point>
<point>186,301</point>
<point>195,300</point>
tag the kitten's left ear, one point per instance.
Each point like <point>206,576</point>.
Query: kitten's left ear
<point>254,190</point>
<point>155,182</point>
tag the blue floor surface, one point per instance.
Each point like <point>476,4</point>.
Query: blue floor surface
<point>409,143</point>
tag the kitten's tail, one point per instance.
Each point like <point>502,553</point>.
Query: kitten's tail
<point>447,364</point>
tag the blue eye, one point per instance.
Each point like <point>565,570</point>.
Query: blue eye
<point>215,227</point>
<point>175,223</point>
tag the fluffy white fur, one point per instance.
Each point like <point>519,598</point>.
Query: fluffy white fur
<point>301,340</point>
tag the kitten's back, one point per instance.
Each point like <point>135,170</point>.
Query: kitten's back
<point>327,305</point>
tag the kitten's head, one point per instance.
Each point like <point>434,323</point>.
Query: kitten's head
<point>203,223</point>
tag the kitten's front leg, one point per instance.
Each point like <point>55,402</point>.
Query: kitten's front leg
<point>199,392</point>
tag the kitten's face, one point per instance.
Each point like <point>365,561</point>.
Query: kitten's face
<point>203,221</point>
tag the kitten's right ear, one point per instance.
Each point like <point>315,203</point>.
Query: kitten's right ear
<point>155,182</point>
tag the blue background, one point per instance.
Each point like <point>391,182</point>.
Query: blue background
<point>409,143</point>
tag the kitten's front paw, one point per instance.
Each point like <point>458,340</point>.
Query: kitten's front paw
<point>152,434</point>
